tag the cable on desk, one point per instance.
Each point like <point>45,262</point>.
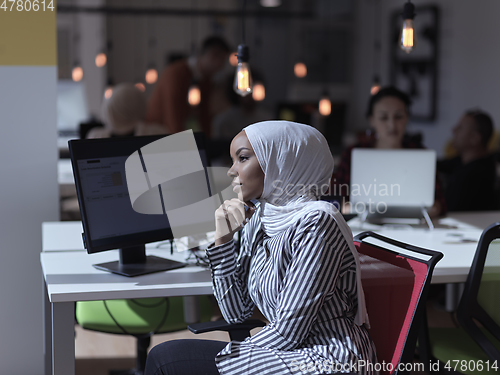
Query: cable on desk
<point>199,260</point>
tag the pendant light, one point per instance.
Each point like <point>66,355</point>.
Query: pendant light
<point>77,70</point>
<point>101,57</point>
<point>194,95</point>
<point>194,92</point>
<point>408,36</point>
<point>325,104</point>
<point>259,91</point>
<point>300,67</point>
<point>243,84</point>
<point>108,92</point>
<point>151,73</point>
<point>377,16</point>
<point>375,85</point>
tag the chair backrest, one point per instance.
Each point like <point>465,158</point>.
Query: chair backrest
<point>395,278</point>
<point>481,297</point>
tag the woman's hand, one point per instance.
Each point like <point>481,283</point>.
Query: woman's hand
<point>230,217</point>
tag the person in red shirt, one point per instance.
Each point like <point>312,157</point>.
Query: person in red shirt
<point>168,103</point>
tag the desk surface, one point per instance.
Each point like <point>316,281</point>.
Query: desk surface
<point>70,276</point>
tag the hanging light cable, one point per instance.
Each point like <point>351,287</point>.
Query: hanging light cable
<point>152,73</point>
<point>77,70</point>
<point>194,92</point>
<point>376,49</point>
<point>300,67</point>
<point>101,58</point>
<point>408,36</point>
<point>325,105</point>
<point>243,84</point>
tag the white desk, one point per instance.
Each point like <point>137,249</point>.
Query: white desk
<point>455,236</point>
<point>69,275</point>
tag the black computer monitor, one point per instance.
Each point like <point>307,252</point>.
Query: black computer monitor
<point>109,221</point>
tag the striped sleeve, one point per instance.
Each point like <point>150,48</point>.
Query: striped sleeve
<point>318,248</point>
<point>229,277</point>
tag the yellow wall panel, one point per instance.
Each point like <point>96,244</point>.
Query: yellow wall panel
<point>27,37</point>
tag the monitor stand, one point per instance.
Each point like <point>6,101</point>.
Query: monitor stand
<point>399,215</point>
<point>134,262</point>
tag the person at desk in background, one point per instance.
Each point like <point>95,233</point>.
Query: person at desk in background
<point>470,177</point>
<point>388,114</point>
<point>168,103</point>
<point>123,115</point>
<point>297,264</point>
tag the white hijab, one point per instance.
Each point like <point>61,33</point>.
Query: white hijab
<point>297,165</point>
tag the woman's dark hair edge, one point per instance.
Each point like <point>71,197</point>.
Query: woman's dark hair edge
<point>389,91</point>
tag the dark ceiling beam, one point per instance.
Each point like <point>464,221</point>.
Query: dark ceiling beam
<point>131,11</point>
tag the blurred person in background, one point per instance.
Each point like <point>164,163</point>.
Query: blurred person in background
<point>123,114</point>
<point>470,177</point>
<point>168,103</point>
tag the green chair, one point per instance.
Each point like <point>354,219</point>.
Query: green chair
<point>474,347</point>
<point>140,318</point>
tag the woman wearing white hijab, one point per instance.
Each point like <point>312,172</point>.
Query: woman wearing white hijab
<point>297,265</point>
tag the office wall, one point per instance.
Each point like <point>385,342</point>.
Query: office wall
<point>28,182</point>
<point>468,69</point>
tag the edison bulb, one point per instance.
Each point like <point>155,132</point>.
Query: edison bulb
<point>300,70</point>
<point>100,60</point>
<point>140,86</point>
<point>151,76</point>
<point>243,79</point>
<point>259,92</point>
<point>77,73</point>
<point>407,37</point>
<point>233,59</point>
<point>325,106</point>
<point>194,95</point>
<point>375,88</point>
<point>108,92</point>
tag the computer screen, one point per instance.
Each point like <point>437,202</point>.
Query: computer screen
<point>402,178</point>
<point>108,218</point>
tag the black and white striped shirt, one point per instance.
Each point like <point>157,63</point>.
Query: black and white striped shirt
<point>304,282</point>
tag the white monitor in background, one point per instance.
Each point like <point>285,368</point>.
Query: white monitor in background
<point>72,108</point>
<point>395,183</point>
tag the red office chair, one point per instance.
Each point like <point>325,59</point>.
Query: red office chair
<point>396,278</point>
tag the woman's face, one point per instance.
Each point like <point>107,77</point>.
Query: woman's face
<point>389,120</point>
<point>248,178</point>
